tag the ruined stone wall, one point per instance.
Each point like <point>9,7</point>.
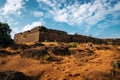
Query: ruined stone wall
<point>85,39</point>
<point>41,34</point>
<point>27,37</point>
<point>114,41</point>
<point>77,38</point>
<point>54,35</point>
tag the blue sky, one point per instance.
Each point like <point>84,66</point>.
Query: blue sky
<point>100,18</point>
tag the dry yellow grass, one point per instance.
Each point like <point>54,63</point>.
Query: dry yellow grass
<point>70,67</point>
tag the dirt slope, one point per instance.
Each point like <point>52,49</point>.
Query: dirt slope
<point>82,64</point>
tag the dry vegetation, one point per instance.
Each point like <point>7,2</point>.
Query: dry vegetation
<point>60,61</point>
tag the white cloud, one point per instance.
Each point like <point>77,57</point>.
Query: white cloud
<point>48,2</point>
<point>26,0</point>
<point>14,31</point>
<point>38,14</point>
<point>12,7</point>
<point>34,24</point>
<point>79,14</point>
<point>115,35</point>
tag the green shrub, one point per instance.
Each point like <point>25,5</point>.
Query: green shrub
<point>76,33</point>
<point>109,43</point>
<point>46,41</point>
<point>74,44</point>
<point>115,64</point>
<point>47,57</point>
<point>5,38</point>
<point>23,36</point>
<point>55,41</point>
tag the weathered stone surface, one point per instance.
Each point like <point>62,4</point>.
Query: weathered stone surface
<point>41,34</point>
<point>4,53</point>
<point>36,53</point>
<point>59,50</point>
<point>13,75</point>
<point>27,37</point>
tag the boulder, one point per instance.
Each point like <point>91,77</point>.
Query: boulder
<point>59,50</point>
<point>35,53</point>
<point>4,53</point>
<point>13,75</point>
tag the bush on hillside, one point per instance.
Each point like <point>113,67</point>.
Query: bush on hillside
<point>5,38</point>
<point>35,53</point>
<point>115,64</point>
<point>74,44</point>
<point>13,75</point>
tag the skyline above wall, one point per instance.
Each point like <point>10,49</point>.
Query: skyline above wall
<point>100,18</point>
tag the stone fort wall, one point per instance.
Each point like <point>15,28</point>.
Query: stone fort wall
<point>41,34</point>
<point>27,36</point>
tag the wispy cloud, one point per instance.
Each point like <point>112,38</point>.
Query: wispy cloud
<point>38,14</point>
<point>32,25</point>
<point>8,10</point>
<point>83,14</point>
<point>75,13</point>
<point>13,7</point>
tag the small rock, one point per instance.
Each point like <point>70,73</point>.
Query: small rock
<point>86,60</point>
<point>97,64</point>
<point>62,78</point>
<point>67,71</point>
<point>63,61</point>
<point>3,62</point>
<point>76,74</point>
<point>47,76</point>
<point>68,61</point>
<point>42,62</point>
<point>86,70</point>
<point>58,62</point>
<point>69,74</point>
<point>67,66</point>
<point>75,60</point>
<point>49,79</point>
<point>79,64</point>
<point>56,68</point>
<point>63,70</point>
<point>52,65</point>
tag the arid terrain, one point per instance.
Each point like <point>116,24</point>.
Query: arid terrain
<point>60,61</point>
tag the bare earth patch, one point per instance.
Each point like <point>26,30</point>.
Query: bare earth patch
<point>80,63</point>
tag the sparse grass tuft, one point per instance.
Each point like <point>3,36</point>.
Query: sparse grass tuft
<point>74,44</point>
<point>109,43</point>
<point>46,41</point>
<point>47,57</point>
<point>116,64</point>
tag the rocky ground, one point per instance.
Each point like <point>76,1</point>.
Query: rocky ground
<point>59,61</point>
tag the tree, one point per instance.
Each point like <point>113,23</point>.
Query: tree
<point>90,35</point>
<point>5,38</point>
<point>76,33</point>
<point>90,39</point>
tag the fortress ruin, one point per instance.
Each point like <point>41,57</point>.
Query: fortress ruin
<point>41,34</point>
